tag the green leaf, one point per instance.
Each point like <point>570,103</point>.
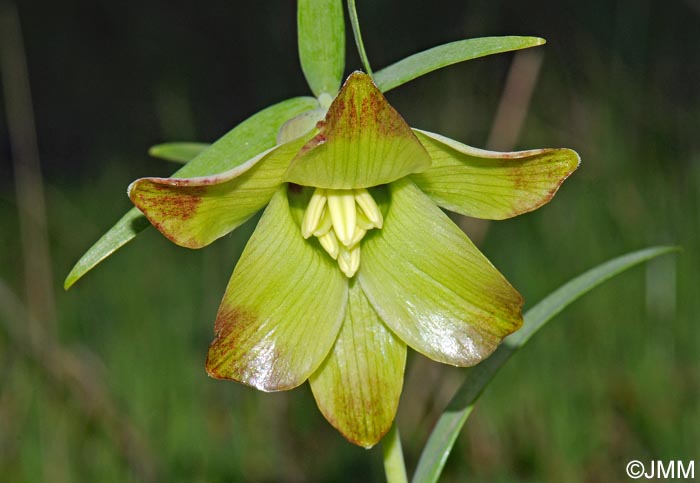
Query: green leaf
<point>249,138</point>
<point>193,212</point>
<point>358,386</point>
<point>252,136</point>
<point>443,436</point>
<point>177,152</point>
<point>429,60</point>
<point>283,307</point>
<point>394,465</point>
<point>489,184</point>
<point>131,224</point>
<point>362,142</point>
<point>431,285</point>
<point>321,31</point>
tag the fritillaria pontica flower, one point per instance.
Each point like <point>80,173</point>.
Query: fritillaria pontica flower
<point>353,259</point>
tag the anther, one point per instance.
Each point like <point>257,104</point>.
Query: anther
<point>363,222</point>
<point>313,213</point>
<point>325,225</point>
<point>340,219</point>
<point>369,207</point>
<point>358,236</point>
<point>341,205</point>
<point>329,242</point>
<point>349,260</point>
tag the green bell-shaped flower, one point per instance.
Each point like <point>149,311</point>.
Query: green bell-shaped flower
<point>353,259</point>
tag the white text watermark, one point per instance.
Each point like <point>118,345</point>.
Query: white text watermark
<point>661,470</point>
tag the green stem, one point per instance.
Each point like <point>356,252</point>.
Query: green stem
<point>355,22</point>
<point>394,467</point>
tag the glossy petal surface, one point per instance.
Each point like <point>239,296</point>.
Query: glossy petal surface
<point>194,212</point>
<point>282,309</point>
<point>362,142</point>
<point>432,286</point>
<point>489,184</point>
<point>357,387</point>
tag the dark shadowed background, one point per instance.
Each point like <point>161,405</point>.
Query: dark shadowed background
<point>107,383</point>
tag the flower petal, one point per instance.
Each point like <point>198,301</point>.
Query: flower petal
<point>193,212</point>
<point>357,388</point>
<point>362,142</point>
<point>282,309</point>
<point>489,184</point>
<point>432,286</point>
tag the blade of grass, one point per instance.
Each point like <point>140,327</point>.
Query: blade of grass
<point>14,74</point>
<point>429,60</point>
<point>65,371</point>
<point>443,436</point>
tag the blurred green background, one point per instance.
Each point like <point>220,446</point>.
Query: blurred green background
<point>109,383</point>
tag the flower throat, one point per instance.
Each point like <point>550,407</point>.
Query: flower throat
<point>340,218</point>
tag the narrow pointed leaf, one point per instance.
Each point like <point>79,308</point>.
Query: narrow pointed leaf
<point>357,387</point>
<point>362,142</point>
<point>357,33</point>
<point>394,465</point>
<point>432,286</point>
<point>193,212</point>
<point>490,184</point>
<point>178,152</point>
<point>252,136</point>
<point>444,435</point>
<point>131,224</point>
<point>429,60</point>
<point>321,31</point>
<point>282,309</point>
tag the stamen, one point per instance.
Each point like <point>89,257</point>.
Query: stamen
<point>325,225</point>
<point>358,236</point>
<point>349,260</point>
<point>340,219</point>
<point>341,205</point>
<point>330,243</point>
<point>369,207</point>
<point>363,222</point>
<point>312,215</point>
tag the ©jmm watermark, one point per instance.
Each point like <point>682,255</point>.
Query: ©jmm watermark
<point>661,470</point>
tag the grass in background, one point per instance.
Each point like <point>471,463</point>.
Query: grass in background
<point>616,377</point>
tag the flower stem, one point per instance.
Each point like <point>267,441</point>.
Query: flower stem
<point>394,467</point>
<point>355,22</point>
